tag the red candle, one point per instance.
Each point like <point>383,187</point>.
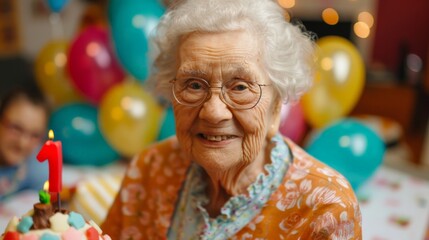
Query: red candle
<point>52,152</point>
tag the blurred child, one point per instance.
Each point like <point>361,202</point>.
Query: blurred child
<point>23,119</point>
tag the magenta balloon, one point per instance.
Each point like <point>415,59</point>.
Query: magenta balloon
<point>92,65</point>
<point>292,122</point>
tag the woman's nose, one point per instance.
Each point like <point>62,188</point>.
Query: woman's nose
<point>214,110</point>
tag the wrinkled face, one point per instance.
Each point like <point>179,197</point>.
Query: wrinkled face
<point>216,136</point>
<point>22,127</point>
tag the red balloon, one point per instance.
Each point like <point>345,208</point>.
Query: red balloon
<point>92,65</point>
<point>292,122</point>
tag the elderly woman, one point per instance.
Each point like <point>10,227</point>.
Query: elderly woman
<point>227,66</point>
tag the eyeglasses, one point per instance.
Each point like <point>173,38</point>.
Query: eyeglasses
<point>237,94</point>
<point>16,130</point>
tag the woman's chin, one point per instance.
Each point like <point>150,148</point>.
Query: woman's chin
<point>217,159</point>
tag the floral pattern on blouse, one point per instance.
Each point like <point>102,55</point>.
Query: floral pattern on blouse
<point>313,201</point>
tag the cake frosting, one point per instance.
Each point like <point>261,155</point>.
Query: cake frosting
<point>43,223</point>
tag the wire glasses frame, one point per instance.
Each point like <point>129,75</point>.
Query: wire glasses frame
<point>237,94</point>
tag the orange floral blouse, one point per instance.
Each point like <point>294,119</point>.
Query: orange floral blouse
<point>312,202</point>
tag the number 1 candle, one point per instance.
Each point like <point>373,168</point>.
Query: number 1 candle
<point>52,151</point>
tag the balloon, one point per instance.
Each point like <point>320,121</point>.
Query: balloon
<point>168,127</point>
<point>351,148</point>
<point>92,65</point>
<point>338,83</point>
<point>76,126</point>
<point>51,74</point>
<point>129,118</point>
<point>131,24</point>
<point>292,123</point>
<point>57,5</point>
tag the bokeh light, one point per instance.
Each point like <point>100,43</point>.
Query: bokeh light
<point>414,62</point>
<point>330,16</point>
<point>361,29</point>
<point>367,18</point>
<point>287,3</point>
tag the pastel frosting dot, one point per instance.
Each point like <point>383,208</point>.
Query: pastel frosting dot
<point>76,220</point>
<point>25,224</point>
<point>59,222</point>
<point>92,234</point>
<point>48,236</point>
<point>72,234</point>
<point>29,237</point>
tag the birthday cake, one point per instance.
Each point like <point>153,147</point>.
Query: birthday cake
<point>45,223</point>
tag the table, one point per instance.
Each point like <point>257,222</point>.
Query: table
<point>394,205</point>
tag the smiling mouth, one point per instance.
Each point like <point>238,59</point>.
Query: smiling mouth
<point>216,138</point>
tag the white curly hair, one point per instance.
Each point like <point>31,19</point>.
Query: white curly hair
<point>288,50</point>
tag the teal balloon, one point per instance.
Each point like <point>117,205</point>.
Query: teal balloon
<point>56,5</point>
<point>76,126</point>
<point>168,127</point>
<point>349,147</point>
<point>132,23</point>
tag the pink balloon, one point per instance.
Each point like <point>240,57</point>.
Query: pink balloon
<point>292,122</point>
<point>92,65</point>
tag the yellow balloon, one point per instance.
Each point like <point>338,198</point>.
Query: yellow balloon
<point>51,73</point>
<point>129,118</point>
<point>338,82</point>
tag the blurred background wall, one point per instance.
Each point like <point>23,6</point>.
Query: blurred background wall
<point>25,27</point>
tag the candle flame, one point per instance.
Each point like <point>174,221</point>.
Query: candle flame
<point>46,186</point>
<point>51,135</point>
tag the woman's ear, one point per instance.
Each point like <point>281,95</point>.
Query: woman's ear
<point>275,119</point>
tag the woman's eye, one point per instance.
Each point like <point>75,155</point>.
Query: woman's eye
<point>238,86</point>
<point>195,85</point>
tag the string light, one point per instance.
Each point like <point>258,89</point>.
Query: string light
<point>287,3</point>
<point>361,29</point>
<point>330,16</point>
<point>367,18</point>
